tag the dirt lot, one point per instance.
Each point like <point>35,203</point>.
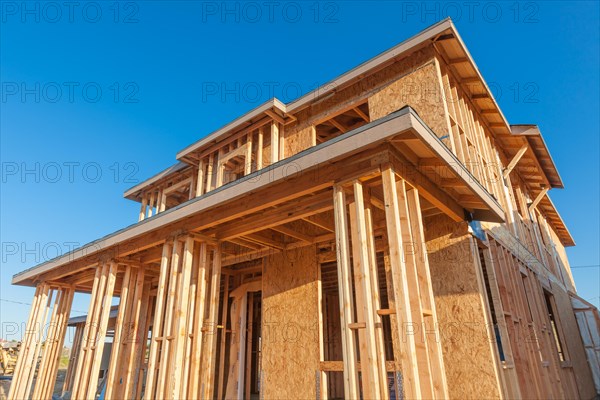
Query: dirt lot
<point>5,385</point>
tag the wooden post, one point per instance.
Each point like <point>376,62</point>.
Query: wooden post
<point>364,297</point>
<point>345,293</point>
<point>118,337</point>
<point>259,149</point>
<point>164,365</point>
<point>191,312</point>
<point>126,339</point>
<point>83,368</point>
<point>210,342</point>
<point>157,331</point>
<point>321,327</point>
<point>248,160</point>
<point>143,208</point>
<point>77,343</point>
<point>79,370</point>
<point>220,169</point>
<point>47,348</point>
<point>274,142</point>
<point>198,319</point>
<point>133,321</point>
<point>434,343</point>
<point>281,141</point>
<point>223,337</point>
<point>380,344</point>
<point>62,324</point>
<point>410,373</point>
<point>35,346</point>
<point>151,205</point>
<point>27,338</point>
<point>163,201</point>
<point>200,179</point>
<point>57,342</point>
<point>142,343</point>
<point>248,366</point>
<point>237,351</point>
<point>178,386</point>
<point>416,284</point>
<point>209,173</point>
<point>105,302</point>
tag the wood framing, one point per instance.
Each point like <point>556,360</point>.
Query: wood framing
<point>387,236</point>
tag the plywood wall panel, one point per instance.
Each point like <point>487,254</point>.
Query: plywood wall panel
<point>297,140</point>
<point>290,339</point>
<point>361,90</point>
<point>466,345</point>
<point>419,89</point>
<point>575,348</point>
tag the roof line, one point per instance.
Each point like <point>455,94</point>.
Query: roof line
<point>478,72</point>
<point>368,65</point>
<point>173,168</point>
<point>533,130</point>
<point>561,220</point>
<point>297,104</point>
<point>278,171</point>
<point>273,102</point>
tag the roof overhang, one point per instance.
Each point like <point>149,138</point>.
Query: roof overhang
<point>134,192</point>
<point>443,35</point>
<point>537,169</point>
<point>550,212</point>
<point>414,145</point>
<point>273,109</point>
<point>537,157</point>
<point>449,45</point>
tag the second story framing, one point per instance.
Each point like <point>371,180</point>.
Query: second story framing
<point>435,75</point>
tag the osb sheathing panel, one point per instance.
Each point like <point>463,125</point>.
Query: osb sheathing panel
<point>297,140</point>
<point>360,92</point>
<point>419,89</point>
<point>466,345</point>
<point>290,340</point>
<point>266,153</point>
<point>575,348</point>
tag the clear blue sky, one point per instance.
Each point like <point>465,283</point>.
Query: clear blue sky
<point>169,73</point>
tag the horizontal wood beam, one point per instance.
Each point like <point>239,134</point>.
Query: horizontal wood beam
<point>427,188</point>
<point>338,366</point>
<point>292,233</point>
<point>290,212</point>
<point>320,222</point>
<point>275,116</point>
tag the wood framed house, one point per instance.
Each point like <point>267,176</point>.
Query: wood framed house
<point>390,236</point>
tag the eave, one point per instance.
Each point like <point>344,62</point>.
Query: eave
<point>398,131</point>
<point>135,192</point>
<point>537,157</point>
<point>548,208</point>
<point>272,109</point>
